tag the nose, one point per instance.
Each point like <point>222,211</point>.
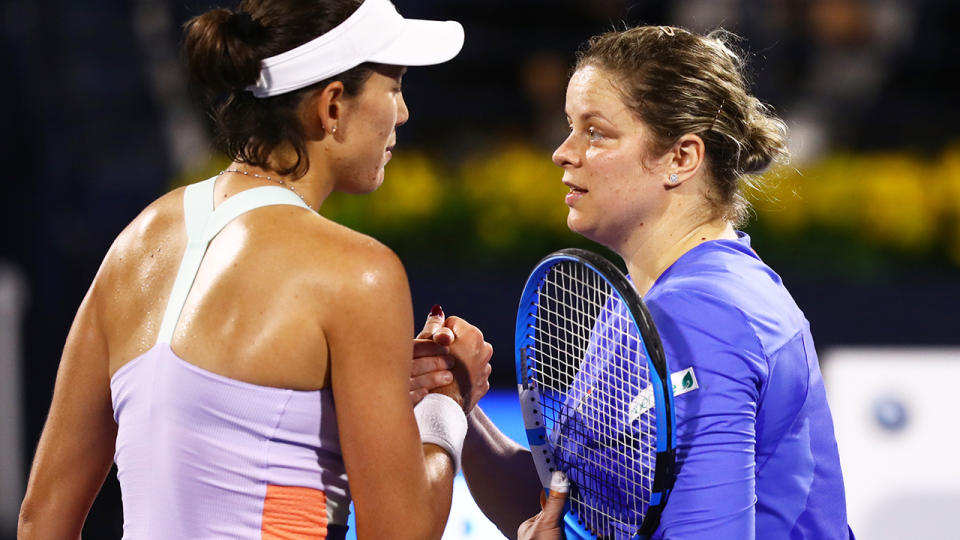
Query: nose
<point>403,114</point>
<point>566,154</point>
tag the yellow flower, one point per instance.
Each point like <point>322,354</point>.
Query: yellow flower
<point>513,191</point>
<point>833,189</point>
<point>945,190</point>
<point>779,201</point>
<point>412,192</point>
<point>897,209</point>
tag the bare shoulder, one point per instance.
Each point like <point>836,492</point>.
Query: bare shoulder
<point>353,276</point>
<point>366,265</point>
<point>157,231</point>
<point>134,272</point>
<point>162,216</point>
<point>140,265</point>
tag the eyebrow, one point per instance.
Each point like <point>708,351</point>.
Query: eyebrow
<point>589,115</point>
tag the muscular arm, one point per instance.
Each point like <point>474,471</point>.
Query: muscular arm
<point>500,474</point>
<point>401,488</point>
<point>77,443</point>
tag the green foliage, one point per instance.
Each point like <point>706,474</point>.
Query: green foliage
<point>861,213</point>
<point>506,205</point>
<point>848,213</point>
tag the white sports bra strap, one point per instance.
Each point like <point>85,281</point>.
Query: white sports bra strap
<point>245,201</point>
<point>198,207</point>
<point>203,223</point>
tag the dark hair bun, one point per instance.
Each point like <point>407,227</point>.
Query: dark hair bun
<point>220,50</point>
<point>244,27</point>
<point>224,50</point>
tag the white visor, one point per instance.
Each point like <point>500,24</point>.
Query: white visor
<point>373,33</point>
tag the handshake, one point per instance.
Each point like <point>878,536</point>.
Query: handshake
<point>451,357</point>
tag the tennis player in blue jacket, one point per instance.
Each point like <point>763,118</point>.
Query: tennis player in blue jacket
<point>664,137</point>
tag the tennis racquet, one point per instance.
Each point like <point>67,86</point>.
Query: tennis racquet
<point>595,394</point>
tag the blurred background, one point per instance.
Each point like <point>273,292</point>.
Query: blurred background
<point>863,226</point>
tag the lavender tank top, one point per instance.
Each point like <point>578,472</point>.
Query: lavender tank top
<point>198,453</point>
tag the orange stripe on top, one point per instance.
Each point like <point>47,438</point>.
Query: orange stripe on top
<point>294,513</point>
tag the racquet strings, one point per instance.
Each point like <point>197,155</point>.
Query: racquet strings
<point>589,367</point>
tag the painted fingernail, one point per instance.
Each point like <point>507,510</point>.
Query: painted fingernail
<point>436,311</point>
<point>559,482</point>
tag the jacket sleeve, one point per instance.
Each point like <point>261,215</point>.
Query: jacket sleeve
<point>714,493</point>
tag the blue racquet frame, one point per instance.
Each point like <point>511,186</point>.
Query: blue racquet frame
<point>541,434</point>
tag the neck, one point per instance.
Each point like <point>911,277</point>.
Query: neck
<point>311,187</point>
<point>650,252</point>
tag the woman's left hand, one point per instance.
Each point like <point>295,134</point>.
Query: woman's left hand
<point>548,524</point>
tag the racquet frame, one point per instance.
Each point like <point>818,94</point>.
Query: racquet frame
<point>537,434</point>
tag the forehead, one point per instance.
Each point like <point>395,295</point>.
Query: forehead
<point>592,90</point>
<point>391,71</point>
<point>386,74</point>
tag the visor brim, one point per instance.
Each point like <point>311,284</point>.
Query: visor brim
<point>422,43</point>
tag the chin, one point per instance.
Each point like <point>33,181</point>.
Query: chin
<point>577,224</point>
<point>377,182</point>
<point>373,186</point>
<point>588,230</point>
<point>367,186</point>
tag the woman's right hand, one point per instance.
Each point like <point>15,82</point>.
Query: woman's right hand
<point>432,363</point>
<point>450,347</point>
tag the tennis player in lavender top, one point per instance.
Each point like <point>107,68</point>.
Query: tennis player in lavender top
<point>664,137</point>
<point>229,317</point>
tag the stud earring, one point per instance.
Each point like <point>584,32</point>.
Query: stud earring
<point>674,178</point>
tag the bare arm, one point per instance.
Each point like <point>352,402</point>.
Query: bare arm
<point>77,444</point>
<point>401,488</point>
<point>500,474</point>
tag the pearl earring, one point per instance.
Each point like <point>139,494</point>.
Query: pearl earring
<point>674,178</point>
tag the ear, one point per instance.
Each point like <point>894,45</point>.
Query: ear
<point>684,159</point>
<point>325,111</point>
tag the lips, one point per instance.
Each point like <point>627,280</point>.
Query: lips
<point>574,187</point>
<point>575,193</point>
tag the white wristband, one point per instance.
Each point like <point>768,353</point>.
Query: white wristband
<point>442,422</point>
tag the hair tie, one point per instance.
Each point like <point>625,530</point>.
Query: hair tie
<point>243,25</point>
